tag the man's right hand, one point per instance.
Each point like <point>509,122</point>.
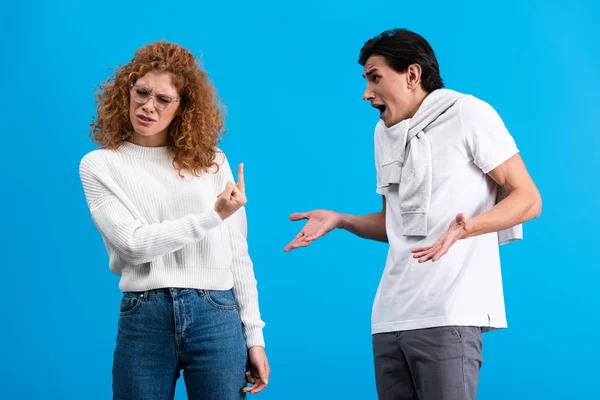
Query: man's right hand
<point>320,223</point>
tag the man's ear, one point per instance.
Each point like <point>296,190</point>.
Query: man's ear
<point>413,76</point>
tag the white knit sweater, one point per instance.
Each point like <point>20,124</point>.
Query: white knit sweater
<point>160,230</point>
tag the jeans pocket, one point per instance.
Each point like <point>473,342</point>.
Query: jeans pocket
<point>130,303</point>
<point>222,299</point>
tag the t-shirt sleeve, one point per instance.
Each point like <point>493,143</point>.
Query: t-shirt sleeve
<point>486,136</point>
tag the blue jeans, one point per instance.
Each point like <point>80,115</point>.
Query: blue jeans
<point>162,332</point>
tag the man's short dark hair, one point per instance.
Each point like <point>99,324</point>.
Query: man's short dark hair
<point>401,48</point>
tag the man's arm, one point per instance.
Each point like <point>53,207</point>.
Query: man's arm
<point>321,222</point>
<point>370,226</point>
<point>522,204</point>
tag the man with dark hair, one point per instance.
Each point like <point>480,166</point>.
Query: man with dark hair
<point>454,188</point>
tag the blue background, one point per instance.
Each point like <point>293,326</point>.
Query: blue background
<point>287,73</point>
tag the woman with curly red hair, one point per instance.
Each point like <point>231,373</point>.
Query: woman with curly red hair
<point>173,223</point>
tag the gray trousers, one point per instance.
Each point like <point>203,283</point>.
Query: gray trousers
<point>439,363</point>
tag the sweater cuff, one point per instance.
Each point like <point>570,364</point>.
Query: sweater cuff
<point>211,219</point>
<point>415,224</point>
<point>254,337</point>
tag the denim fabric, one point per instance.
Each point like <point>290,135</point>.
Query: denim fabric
<point>165,331</point>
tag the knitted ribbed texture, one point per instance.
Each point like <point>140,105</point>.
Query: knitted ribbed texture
<point>161,230</point>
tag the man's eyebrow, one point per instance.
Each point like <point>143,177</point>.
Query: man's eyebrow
<point>369,73</point>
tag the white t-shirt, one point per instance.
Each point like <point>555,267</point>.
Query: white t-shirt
<point>464,287</point>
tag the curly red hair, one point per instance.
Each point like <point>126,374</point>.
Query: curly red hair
<point>193,135</point>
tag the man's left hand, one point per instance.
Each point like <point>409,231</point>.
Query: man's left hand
<point>456,231</point>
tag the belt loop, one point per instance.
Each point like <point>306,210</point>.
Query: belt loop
<point>144,295</point>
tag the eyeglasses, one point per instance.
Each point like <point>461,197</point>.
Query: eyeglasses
<point>141,95</point>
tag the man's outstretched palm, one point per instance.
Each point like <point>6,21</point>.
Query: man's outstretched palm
<point>456,231</point>
<point>320,222</point>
